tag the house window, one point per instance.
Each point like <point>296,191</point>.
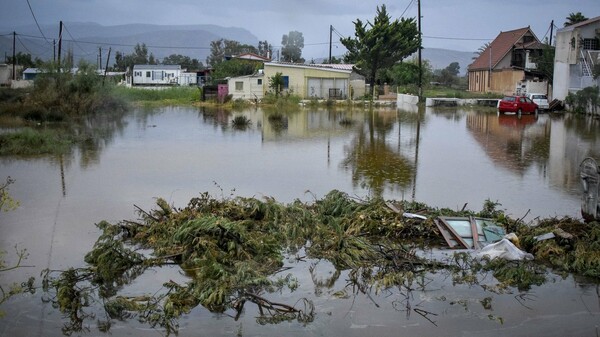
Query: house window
<point>239,86</point>
<point>148,74</point>
<point>590,44</point>
<point>286,82</point>
<point>259,81</point>
<point>158,75</point>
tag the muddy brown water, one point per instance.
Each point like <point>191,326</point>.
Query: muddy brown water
<point>442,157</point>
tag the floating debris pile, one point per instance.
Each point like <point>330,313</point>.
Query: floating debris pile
<point>232,252</point>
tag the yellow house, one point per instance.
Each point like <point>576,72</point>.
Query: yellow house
<point>321,81</point>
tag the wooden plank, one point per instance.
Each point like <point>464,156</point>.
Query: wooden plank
<point>474,233</point>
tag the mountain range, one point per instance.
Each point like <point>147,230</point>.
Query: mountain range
<point>89,40</point>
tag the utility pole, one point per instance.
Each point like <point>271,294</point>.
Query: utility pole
<point>420,47</point>
<point>330,31</point>
<point>106,68</point>
<point>490,71</point>
<point>551,29</point>
<point>100,58</point>
<point>59,44</point>
<point>14,60</point>
<point>54,50</point>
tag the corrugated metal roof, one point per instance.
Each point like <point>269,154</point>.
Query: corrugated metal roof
<point>501,45</point>
<point>338,67</point>
<point>156,67</point>
<point>335,66</point>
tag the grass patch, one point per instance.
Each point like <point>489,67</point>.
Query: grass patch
<point>28,142</point>
<point>166,96</point>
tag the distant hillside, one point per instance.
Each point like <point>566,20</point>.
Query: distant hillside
<point>441,58</point>
<point>438,58</point>
<point>85,39</point>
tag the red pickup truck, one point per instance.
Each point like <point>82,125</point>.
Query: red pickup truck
<point>517,104</point>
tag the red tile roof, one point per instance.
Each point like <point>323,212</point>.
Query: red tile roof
<point>501,46</point>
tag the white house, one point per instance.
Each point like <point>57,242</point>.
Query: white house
<point>248,87</point>
<point>577,51</point>
<point>188,78</point>
<point>156,74</point>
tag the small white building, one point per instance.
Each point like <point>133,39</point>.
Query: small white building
<point>249,87</point>
<point>577,51</point>
<point>156,74</point>
<point>188,78</point>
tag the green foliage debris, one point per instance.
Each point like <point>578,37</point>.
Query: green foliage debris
<point>233,253</point>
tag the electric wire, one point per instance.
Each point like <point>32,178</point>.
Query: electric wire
<point>22,44</point>
<point>36,22</point>
<point>407,7</point>
<point>76,43</point>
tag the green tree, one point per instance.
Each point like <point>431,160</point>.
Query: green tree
<point>334,60</point>
<point>139,56</point>
<point>265,49</point>
<point>381,44</point>
<point>544,62</point>
<point>453,68</point>
<point>222,48</point>
<point>24,60</point>
<point>574,18</point>
<point>276,83</point>
<point>184,61</point>
<point>407,73</point>
<point>292,45</point>
<point>235,67</point>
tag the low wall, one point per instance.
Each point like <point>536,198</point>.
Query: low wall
<point>407,99</point>
<point>19,84</point>
<point>461,102</point>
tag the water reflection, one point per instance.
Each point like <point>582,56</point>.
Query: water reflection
<point>373,162</point>
<point>443,157</point>
<point>512,142</point>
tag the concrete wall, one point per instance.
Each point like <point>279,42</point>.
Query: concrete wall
<point>358,88</point>
<point>251,89</point>
<point>567,71</point>
<point>20,84</point>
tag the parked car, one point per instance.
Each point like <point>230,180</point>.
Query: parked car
<point>540,99</point>
<point>517,104</point>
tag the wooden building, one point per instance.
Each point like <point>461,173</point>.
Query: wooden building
<point>506,66</point>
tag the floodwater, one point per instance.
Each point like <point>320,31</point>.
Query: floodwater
<point>448,157</point>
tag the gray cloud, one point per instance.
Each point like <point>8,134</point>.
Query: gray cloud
<point>270,19</point>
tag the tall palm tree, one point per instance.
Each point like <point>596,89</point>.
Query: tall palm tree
<point>481,50</point>
<point>574,18</point>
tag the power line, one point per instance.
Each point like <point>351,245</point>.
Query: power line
<point>76,43</point>
<point>22,44</point>
<point>36,22</point>
<point>407,7</point>
<point>453,38</point>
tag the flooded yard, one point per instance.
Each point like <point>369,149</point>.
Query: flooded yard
<point>446,158</point>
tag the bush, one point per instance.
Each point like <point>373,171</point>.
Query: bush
<point>584,100</point>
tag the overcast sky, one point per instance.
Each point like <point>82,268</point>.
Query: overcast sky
<point>452,24</point>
